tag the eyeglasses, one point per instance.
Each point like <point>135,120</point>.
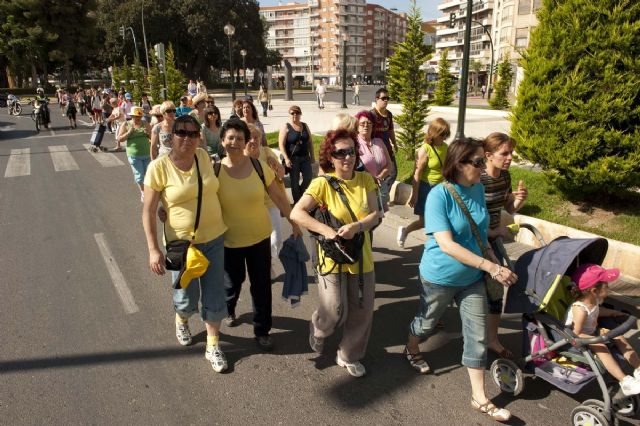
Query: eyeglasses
<point>478,163</point>
<point>384,98</point>
<point>211,113</point>
<point>295,113</point>
<point>169,111</point>
<point>364,123</point>
<point>182,133</point>
<point>341,154</point>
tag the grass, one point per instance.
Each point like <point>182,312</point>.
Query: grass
<point>619,220</point>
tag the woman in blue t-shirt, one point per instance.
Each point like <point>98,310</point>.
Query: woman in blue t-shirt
<point>452,267</point>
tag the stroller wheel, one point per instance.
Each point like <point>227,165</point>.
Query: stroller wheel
<point>507,376</point>
<point>626,406</point>
<point>584,415</point>
<point>599,406</point>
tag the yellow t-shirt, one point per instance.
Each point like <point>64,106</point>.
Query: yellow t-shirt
<point>432,174</point>
<point>243,208</point>
<point>180,197</point>
<point>356,191</point>
<point>266,152</point>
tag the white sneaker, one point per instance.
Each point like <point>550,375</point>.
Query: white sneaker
<point>401,236</point>
<point>356,369</point>
<point>183,333</point>
<point>630,386</point>
<point>216,357</point>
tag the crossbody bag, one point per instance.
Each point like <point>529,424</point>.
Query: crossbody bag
<point>494,289</point>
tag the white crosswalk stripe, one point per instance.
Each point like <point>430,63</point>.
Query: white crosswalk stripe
<point>105,159</point>
<point>19,163</point>
<point>62,158</point>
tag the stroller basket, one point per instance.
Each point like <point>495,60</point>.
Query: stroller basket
<point>569,379</point>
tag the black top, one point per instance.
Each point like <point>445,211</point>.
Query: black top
<point>297,142</point>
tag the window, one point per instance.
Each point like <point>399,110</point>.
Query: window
<point>537,4</point>
<point>507,13</point>
<point>524,7</point>
<point>505,35</point>
<point>522,36</point>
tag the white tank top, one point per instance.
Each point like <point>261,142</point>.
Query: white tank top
<point>590,323</point>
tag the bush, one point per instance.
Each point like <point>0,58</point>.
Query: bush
<point>445,86</point>
<point>505,75</point>
<point>578,108</point>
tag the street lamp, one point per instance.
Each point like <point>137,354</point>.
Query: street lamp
<point>243,52</point>
<point>144,38</point>
<point>345,38</point>
<point>462,103</point>
<point>123,31</point>
<point>230,30</point>
<point>488,33</point>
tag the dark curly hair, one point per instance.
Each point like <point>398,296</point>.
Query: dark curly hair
<point>254,111</point>
<point>328,146</point>
<point>233,123</point>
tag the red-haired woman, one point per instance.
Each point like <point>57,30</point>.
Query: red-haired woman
<point>346,292</point>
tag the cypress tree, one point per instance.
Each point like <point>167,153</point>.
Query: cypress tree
<point>505,77</point>
<point>155,81</point>
<point>445,87</point>
<point>578,108</point>
<point>407,84</point>
<point>176,83</point>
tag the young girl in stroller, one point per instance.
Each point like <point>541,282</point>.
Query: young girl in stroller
<point>592,282</point>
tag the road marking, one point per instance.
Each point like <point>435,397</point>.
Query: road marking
<point>105,159</point>
<point>52,132</point>
<point>19,163</point>
<point>84,123</point>
<point>59,135</point>
<point>62,158</point>
<point>7,127</point>
<point>117,278</point>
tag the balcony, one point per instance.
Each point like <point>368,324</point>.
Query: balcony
<point>449,4</point>
<point>445,44</point>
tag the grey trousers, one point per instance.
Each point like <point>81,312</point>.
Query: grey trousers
<point>340,305</point>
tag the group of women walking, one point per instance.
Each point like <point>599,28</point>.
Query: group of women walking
<point>231,211</point>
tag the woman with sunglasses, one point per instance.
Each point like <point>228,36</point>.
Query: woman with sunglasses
<point>162,133</point>
<point>211,131</point>
<point>453,267</point>
<point>135,134</point>
<point>247,242</point>
<point>373,155</point>
<point>250,116</point>
<point>173,179</point>
<point>498,149</point>
<point>339,289</point>
<point>427,173</point>
<point>294,141</point>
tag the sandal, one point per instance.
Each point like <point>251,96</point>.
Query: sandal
<point>504,353</point>
<point>488,408</point>
<point>417,362</point>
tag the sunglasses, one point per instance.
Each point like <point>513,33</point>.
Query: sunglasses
<point>478,163</point>
<point>384,98</point>
<point>169,111</point>
<point>365,123</point>
<point>182,133</point>
<point>341,154</point>
<point>295,113</point>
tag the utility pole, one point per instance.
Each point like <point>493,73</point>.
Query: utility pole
<point>144,38</point>
<point>462,102</point>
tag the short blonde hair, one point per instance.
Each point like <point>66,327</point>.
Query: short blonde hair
<point>344,121</point>
<point>167,105</point>
<point>255,132</point>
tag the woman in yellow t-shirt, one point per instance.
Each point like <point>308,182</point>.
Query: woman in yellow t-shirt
<point>339,289</point>
<point>247,240</point>
<point>173,179</point>
<point>427,173</point>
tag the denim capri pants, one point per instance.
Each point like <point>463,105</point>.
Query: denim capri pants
<point>423,191</point>
<point>472,301</point>
<point>139,167</point>
<point>208,289</point>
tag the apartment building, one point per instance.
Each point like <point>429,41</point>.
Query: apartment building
<point>311,36</point>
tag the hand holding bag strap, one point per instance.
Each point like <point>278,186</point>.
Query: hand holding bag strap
<point>472,223</point>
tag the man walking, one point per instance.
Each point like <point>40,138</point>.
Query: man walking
<point>383,129</point>
<point>356,93</point>
<point>483,90</point>
<point>320,92</point>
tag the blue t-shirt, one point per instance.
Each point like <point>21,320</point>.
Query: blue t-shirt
<point>183,110</point>
<point>442,213</point>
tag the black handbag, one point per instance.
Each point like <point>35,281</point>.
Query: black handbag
<point>176,250</point>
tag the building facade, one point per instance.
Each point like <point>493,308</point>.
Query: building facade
<point>312,37</point>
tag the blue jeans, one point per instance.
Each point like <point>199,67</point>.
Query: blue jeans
<point>210,286</point>
<point>139,167</point>
<point>472,301</point>
<point>299,166</point>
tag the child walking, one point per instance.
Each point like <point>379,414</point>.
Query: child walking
<point>593,283</point>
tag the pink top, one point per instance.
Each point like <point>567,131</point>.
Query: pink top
<point>373,158</point>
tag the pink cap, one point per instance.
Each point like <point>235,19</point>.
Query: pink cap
<point>588,275</point>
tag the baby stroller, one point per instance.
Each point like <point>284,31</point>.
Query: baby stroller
<point>551,351</point>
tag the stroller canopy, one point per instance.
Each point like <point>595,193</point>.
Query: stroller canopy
<point>538,269</point>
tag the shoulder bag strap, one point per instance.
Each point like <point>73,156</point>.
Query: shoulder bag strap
<point>436,153</point>
<point>195,228</point>
<point>258,168</point>
<point>335,184</point>
<point>472,223</point>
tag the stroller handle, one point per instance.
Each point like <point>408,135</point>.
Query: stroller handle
<point>628,324</point>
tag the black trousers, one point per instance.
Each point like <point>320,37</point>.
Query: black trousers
<point>257,259</point>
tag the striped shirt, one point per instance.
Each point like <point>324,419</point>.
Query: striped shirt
<point>496,193</point>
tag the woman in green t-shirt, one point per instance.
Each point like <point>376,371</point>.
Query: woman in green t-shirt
<point>427,173</point>
<point>136,134</point>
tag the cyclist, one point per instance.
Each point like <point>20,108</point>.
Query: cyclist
<point>42,101</point>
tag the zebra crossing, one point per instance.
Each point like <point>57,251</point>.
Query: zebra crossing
<point>62,160</point>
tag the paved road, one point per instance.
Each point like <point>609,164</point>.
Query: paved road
<point>88,330</point>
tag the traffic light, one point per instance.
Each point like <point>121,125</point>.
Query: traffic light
<point>121,31</point>
<point>159,49</point>
<point>452,20</point>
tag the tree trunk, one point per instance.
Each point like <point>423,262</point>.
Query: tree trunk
<point>11,77</point>
<point>34,76</point>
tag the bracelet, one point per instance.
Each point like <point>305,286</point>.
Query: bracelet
<point>497,274</point>
<point>480,264</point>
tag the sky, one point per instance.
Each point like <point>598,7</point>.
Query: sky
<point>428,7</point>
